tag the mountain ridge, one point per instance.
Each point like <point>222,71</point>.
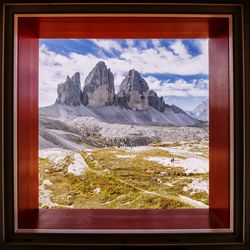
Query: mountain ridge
<point>96,116</point>
<point>80,127</point>
<point>200,112</point>
<point>134,103</point>
<point>99,91</point>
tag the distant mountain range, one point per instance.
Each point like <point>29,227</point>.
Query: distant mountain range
<point>200,112</point>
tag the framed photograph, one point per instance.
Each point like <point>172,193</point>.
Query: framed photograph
<point>125,124</point>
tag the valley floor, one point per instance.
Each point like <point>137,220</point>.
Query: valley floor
<point>159,175</point>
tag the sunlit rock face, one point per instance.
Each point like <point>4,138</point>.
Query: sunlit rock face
<point>134,103</point>
<point>133,92</point>
<point>69,92</point>
<point>99,90</point>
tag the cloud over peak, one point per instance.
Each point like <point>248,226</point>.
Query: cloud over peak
<point>148,56</point>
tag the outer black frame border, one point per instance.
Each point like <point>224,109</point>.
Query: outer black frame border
<point>240,239</point>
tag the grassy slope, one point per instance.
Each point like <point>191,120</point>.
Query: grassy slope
<point>129,182</point>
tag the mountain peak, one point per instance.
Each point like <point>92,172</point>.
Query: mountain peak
<point>69,92</point>
<point>76,78</point>
<point>201,111</point>
<point>99,90</point>
<point>133,92</point>
<point>133,81</point>
<point>101,64</point>
<point>133,72</point>
<point>99,87</point>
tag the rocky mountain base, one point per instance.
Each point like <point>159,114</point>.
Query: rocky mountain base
<point>61,127</point>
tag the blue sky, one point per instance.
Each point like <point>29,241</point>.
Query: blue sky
<point>175,69</point>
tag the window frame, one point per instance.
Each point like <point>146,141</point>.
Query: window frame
<point>237,236</point>
<point>215,27</point>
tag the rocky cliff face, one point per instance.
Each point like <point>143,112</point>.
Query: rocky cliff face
<point>99,91</point>
<point>155,101</point>
<point>99,87</point>
<point>133,92</point>
<point>69,92</point>
<point>174,108</point>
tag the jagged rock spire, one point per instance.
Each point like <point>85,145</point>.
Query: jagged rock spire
<point>133,81</point>
<point>155,101</point>
<point>99,91</point>
<point>99,87</point>
<point>69,92</point>
<point>133,92</point>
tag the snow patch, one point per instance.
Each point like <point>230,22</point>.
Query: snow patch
<point>47,182</point>
<point>195,165</point>
<point>138,148</point>
<point>56,155</point>
<point>197,185</point>
<point>97,190</point>
<point>161,160</point>
<point>176,150</point>
<point>44,195</point>
<point>190,165</point>
<point>78,165</point>
<point>125,156</point>
<point>168,184</point>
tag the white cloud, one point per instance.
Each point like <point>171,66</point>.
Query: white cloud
<point>143,43</point>
<point>118,79</point>
<point>54,68</point>
<point>163,61</point>
<point>180,87</point>
<point>157,59</point>
<point>156,43</point>
<point>130,42</point>
<point>107,44</point>
<point>158,86</point>
<point>179,49</point>
<point>202,44</point>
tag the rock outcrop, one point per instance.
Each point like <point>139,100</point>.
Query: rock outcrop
<point>133,92</point>
<point>155,101</point>
<point>99,87</point>
<point>99,91</point>
<point>69,92</point>
<point>175,108</point>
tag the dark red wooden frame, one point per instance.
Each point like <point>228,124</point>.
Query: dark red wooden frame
<point>30,29</point>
